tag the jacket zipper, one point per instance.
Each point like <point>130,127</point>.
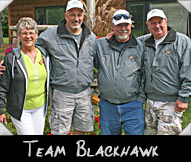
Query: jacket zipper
<point>83,37</point>
<point>48,72</point>
<point>155,51</point>
<point>26,78</point>
<point>78,52</point>
<point>120,53</point>
<point>13,76</point>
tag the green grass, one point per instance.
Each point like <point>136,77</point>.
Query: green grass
<point>187,115</point>
<point>2,49</point>
<point>6,40</point>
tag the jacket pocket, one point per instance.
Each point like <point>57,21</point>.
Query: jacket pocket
<point>130,66</point>
<point>167,58</point>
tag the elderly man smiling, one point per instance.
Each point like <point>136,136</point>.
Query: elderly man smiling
<point>167,62</point>
<point>119,64</point>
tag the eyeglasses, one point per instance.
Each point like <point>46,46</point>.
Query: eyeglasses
<point>27,33</point>
<point>119,16</point>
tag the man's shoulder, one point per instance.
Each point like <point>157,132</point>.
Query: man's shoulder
<point>182,36</point>
<point>48,32</point>
<point>102,40</point>
<point>143,38</point>
<point>92,35</point>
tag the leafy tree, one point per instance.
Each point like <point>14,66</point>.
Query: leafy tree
<point>1,33</point>
<point>4,20</point>
<point>3,25</point>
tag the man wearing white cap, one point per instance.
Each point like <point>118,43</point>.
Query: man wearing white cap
<point>71,52</point>
<point>118,61</point>
<point>167,66</point>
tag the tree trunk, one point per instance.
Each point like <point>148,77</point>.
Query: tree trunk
<point>91,5</point>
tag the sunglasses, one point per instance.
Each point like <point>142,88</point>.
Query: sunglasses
<point>119,16</point>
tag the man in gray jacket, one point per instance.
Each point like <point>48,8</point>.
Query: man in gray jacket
<point>71,47</point>
<point>167,64</point>
<point>119,64</point>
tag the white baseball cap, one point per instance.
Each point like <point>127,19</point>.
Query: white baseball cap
<point>156,13</point>
<point>74,4</point>
<point>121,16</point>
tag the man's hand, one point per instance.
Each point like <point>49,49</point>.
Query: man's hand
<point>3,118</point>
<point>109,35</point>
<point>180,106</point>
<point>2,68</point>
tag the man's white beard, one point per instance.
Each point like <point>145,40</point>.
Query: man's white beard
<point>74,28</point>
<point>124,37</point>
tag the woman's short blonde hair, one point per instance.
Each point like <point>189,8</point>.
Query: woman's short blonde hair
<point>28,23</point>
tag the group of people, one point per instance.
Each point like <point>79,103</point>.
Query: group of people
<point>154,68</point>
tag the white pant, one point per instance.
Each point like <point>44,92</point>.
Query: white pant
<point>32,122</point>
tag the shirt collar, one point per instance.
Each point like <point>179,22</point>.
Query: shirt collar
<point>130,43</point>
<point>171,37</point>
